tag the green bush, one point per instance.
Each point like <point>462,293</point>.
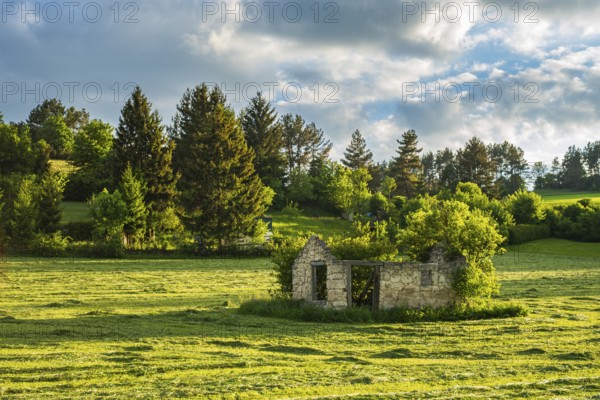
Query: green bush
<point>362,248</point>
<point>50,245</point>
<point>471,234</point>
<point>519,234</point>
<point>302,311</point>
<point>579,221</point>
<point>284,253</point>
<point>112,248</point>
<point>379,203</point>
<point>526,207</point>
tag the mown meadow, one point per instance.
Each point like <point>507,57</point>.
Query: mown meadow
<point>127,329</point>
<point>565,196</point>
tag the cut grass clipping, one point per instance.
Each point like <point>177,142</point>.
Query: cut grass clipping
<point>302,311</point>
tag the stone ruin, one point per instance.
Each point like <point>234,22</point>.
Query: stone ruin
<point>320,278</point>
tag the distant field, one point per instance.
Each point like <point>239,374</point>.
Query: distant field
<point>153,329</point>
<point>323,226</point>
<point>75,211</point>
<point>284,224</point>
<point>555,196</point>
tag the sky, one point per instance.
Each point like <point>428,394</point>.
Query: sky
<point>526,72</point>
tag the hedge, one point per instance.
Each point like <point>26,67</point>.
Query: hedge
<point>524,233</point>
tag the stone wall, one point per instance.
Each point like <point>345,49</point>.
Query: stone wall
<point>315,250</point>
<point>412,285</point>
<point>416,285</point>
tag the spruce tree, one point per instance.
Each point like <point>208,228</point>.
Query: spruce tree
<point>141,143</point>
<point>191,121</point>
<point>51,190</point>
<point>132,191</point>
<point>357,154</point>
<point>406,168</point>
<point>223,195</point>
<point>263,135</point>
<point>22,223</point>
<point>475,165</point>
<point>446,169</point>
<point>573,171</point>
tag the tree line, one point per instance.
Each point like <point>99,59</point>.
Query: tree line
<point>215,173</point>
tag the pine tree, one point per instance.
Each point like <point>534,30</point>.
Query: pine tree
<point>223,196</point>
<point>446,169</point>
<point>22,223</point>
<point>429,177</point>
<point>263,135</point>
<point>406,167</point>
<point>51,188</point>
<point>591,155</point>
<point>141,143</point>
<point>132,191</point>
<point>303,144</point>
<point>475,165</point>
<point>318,146</point>
<point>357,154</point>
<point>573,170</point>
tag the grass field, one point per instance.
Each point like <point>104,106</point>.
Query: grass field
<point>158,329</point>
<point>302,224</point>
<point>282,223</point>
<point>556,196</point>
<point>75,211</point>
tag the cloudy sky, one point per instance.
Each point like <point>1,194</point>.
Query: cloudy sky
<point>525,72</point>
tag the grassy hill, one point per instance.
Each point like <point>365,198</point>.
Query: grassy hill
<point>324,226</point>
<point>556,196</point>
<point>125,329</point>
<point>75,211</point>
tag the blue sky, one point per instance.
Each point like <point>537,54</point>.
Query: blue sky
<point>352,64</point>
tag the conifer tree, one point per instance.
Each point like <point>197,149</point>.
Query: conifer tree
<point>263,135</point>
<point>51,190</point>
<point>406,167</point>
<point>357,154</point>
<point>191,121</point>
<point>22,223</point>
<point>303,144</point>
<point>132,191</point>
<point>475,165</point>
<point>222,194</point>
<point>141,143</point>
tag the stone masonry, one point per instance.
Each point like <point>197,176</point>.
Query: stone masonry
<point>414,285</point>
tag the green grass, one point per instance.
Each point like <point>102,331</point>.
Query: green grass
<point>325,227</point>
<point>75,211</point>
<point>556,196</point>
<point>282,223</point>
<point>153,329</point>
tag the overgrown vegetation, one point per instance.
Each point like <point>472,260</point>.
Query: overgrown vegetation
<point>300,311</point>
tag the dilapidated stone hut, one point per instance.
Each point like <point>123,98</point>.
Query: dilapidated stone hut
<point>320,278</point>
